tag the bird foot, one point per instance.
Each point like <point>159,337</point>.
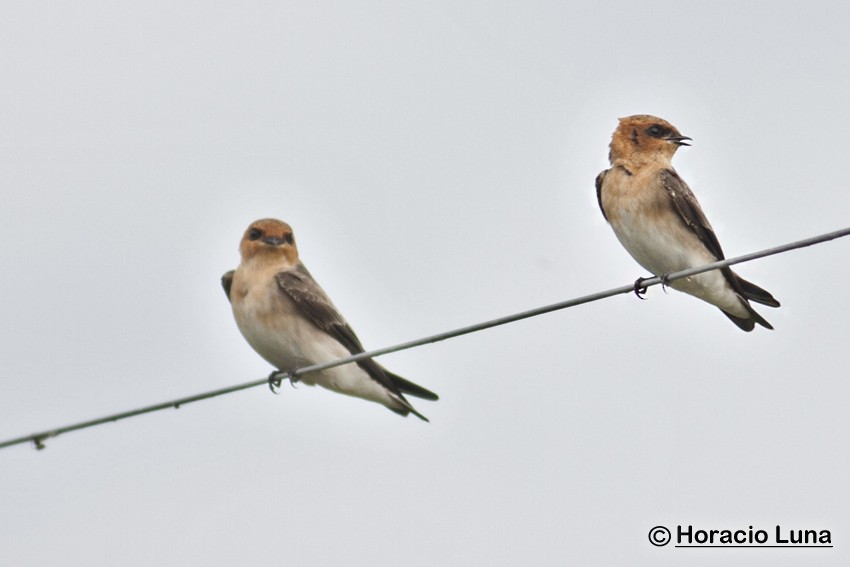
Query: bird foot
<point>277,377</point>
<point>665,283</point>
<point>640,289</point>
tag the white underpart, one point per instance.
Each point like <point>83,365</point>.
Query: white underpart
<point>665,244</point>
<point>289,341</point>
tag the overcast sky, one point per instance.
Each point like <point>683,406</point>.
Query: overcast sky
<point>436,161</point>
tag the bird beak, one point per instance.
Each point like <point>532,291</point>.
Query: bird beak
<point>273,240</point>
<point>678,140</point>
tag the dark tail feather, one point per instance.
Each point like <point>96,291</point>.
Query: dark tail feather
<point>409,409</point>
<point>754,293</point>
<point>408,387</point>
<point>743,324</point>
<point>749,323</point>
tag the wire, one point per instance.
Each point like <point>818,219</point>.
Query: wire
<point>39,438</point>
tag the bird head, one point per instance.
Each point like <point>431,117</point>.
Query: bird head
<point>269,240</point>
<point>643,137</point>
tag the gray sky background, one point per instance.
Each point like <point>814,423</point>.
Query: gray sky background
<point>436,161</point>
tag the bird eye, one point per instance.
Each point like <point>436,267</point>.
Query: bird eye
<point>255,234</point>
<point>288,238</point>
<point>656,131</point>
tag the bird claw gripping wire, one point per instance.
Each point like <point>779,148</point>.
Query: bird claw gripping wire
<point>640,289</point>
<point>277,377</point>
<point>665,282</point>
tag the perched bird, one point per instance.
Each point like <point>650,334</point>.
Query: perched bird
<point>658,220</point>
<point>290,321</point>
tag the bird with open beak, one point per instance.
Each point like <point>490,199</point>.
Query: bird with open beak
<point>658,220</point>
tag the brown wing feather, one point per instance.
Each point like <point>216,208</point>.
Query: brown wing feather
<point>599,179</point>
<point>691,214</point>
<point>227,283</point>
<point>299,285</point>
<point>689,210</point>
<point>686,204</point>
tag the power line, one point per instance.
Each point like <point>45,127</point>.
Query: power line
<point>39,438</point>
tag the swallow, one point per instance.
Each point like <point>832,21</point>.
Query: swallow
<point>659,222</point>
<point>291,322</point>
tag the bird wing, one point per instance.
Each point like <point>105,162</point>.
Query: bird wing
<point>313,303</point>
<point>599,179</point>
<point>685,203</point>
<point>227,282</point>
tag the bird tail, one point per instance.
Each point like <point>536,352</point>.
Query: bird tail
<point>754,293</point>
<point>408,387</point>
<point>407,410</point>
<point>749,323</point>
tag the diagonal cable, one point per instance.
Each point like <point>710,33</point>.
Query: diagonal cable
<point>39,438</point>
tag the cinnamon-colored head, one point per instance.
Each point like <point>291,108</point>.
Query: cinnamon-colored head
<point>642,138</point>
<point>270,240</point>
